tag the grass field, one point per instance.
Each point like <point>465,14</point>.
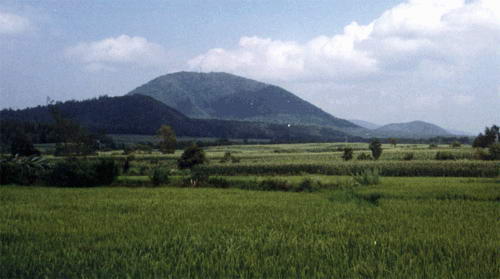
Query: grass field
<point>402,228</point>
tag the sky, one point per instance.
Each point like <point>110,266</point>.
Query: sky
<point>384,61</point>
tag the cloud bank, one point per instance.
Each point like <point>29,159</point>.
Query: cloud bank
<point>13,24</point>
<point>422,54</point>
<point>111,53</point>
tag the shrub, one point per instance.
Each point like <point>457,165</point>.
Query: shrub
<point>367,177</point>
<point>22,171</point>
<point>274,185</point>
<point>308,185</point>
<point>376,148</point>
<point>495,151</point>
<point>106,171</point>
<point>192,156</point>
<point>159,176</point>
<point>443,155</point>
<point>364,156</point>
<point>218,182</point>
<point>432,146</point>
<point>347,155</point>
<point>408,156</point>
<point>481,154</point>
<point>80,173</point>
<point>455,144</point>
<point>196,179</point>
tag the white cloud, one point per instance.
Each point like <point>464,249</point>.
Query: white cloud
<point>107,54</point>
<point>13,24</point>
<point>434,50</point>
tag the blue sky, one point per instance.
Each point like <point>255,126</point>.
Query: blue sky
<point>382,61</point>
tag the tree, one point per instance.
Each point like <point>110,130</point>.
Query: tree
<point>22,146</point>
<point>376,148</point>
<point>70,136</point>
<point>347,153</point>
<point>167,137</point>
<point>490,136</point>
<point>192,156</point>
<point>393,141</point>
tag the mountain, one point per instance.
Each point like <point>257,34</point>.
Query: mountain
<point>139,114</point>
<point>230,97</point>
<point>414,129</point>
<point>365,124</point>
<point>461,133</point>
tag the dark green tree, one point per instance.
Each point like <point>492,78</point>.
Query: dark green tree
<point>490,136</point>
<point>376,148</point>
<point>21,145</point>
<point>348,153</point>
<point>192,156</point>
<point>167,137</point>
<point>72,139</point>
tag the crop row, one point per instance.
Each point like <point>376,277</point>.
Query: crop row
<point>387,168</point>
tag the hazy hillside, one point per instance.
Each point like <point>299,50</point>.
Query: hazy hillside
<point>138,114</point>
<point>226,96</point>
<point>365,124</point>
<point>414,129</point>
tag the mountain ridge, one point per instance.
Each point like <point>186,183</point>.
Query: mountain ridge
<point>139,114</point>
<point>226,96</point>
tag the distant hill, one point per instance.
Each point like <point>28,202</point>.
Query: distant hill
<point>414,129</point>
<point>365,124</point>
<point>139,114</point>
<point>230,97</point>
<point>461,133</point>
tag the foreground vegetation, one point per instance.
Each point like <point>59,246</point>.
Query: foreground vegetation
<point>314,215</point>
<point>401,228</point>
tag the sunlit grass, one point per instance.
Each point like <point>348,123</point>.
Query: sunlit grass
<point>402,228</point>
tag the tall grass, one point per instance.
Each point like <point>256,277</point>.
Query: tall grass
<point>386,168</point>
<point>398,229</point>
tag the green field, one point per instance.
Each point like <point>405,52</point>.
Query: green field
<point>402,228</point>
<point>410,225</point>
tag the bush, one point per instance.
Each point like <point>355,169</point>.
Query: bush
<point>376,148</point>
<point>159,176</point>
<point>455,144</point>
<point>308,185</point>
<point>347,155</point>
<point>364,156</point>
<point>22,171</point>
<point>408,156</point>
<point>79,173</point>
<point>432,146</point>
<point>495,151</point>
<point>367,177</point>
<point>192,156</point>
<point>274,185</point>
<point>196,179</point>
<point>443,155</point>
<point>218,182</point>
